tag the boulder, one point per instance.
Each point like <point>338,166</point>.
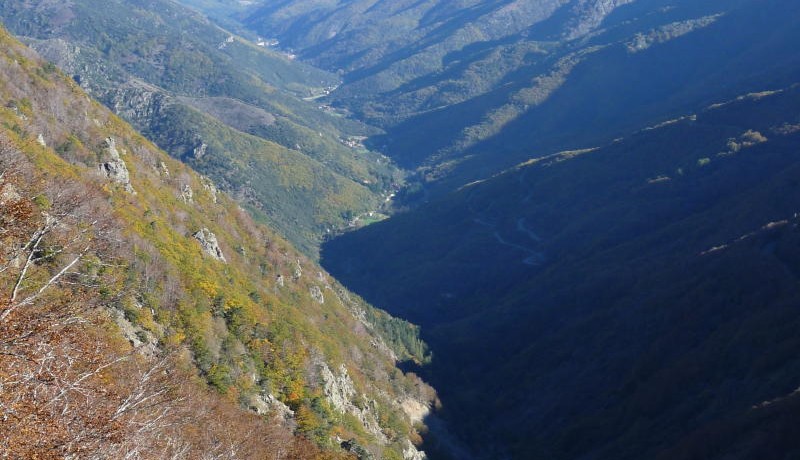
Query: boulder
<point>209,243</point>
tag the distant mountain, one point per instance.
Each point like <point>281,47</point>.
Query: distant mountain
<point>634,300</point>
<point>146,314</point>
<point>494,83</point>
<point>230,108</point>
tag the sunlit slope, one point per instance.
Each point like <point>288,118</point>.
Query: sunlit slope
<point>259,322</point>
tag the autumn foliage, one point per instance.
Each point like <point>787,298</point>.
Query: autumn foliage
<point>69,387</point>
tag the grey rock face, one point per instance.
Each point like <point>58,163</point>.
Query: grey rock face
<point>115,169</point>
<point>209,243</point>
<point>200,151</point>
<point>187,195</point>
<point>415,410</point>
<point>410,452</point>
<point>137,101</point>
<point>338,389</point>
<point>316,294</point>
<point>298,271</point>
<point>268,404</point>
<point>142,340</point>
<point>341,393</point>
<point>111,148</point>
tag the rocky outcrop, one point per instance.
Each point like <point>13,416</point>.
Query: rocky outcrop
<point>137,101</point>
<point>410,452</point>
<point>110,146</point>
<point>84,64</point>
<point>341,393</point>
<point>268,404</point>
<point>339,389</point>
<point>142,340</point>
<point>115,169</point>
<point>316,294</point>
<point>187,195</point>
<point>208,241</point>
<point>199,151</point>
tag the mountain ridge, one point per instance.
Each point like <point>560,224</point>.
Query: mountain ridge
<point>488,102</point>
<point>147,65</point>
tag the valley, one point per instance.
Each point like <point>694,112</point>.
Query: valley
<point>504,229</point>
<point>540,200</point>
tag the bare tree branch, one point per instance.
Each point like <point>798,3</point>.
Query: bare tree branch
<point>32,298</point>
<point>32,246</point>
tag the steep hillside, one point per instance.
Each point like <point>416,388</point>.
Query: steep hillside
<point>136,291</point>
<point>192,87</point>
<point>629,301</point>
<point>491,83</point>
